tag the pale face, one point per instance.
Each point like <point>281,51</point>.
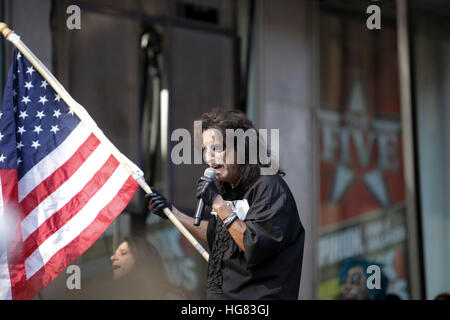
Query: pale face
<point>225,165</point>
<point>122,261</point>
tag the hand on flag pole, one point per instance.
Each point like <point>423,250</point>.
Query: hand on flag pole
<point>56,166</point>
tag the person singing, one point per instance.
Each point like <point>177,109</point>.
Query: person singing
<point>255,235</point>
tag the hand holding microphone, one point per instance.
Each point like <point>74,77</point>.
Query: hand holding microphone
<point>206,193</point>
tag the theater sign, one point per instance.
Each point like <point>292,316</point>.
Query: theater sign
<point>362,193</point>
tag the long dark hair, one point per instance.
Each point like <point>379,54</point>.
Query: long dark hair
<point>148,270</point>
<point>235,119</point>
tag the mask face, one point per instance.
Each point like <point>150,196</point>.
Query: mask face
<point>215,156</point>
<point>122,261</point>
<point>355,287</point>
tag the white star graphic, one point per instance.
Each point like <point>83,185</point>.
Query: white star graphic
<point>1,136</point>
<point>28,85</point>
<point>1,115</point>
<point>26,100</point>
<point>54,129</point>
<point>43,100</point>
<point>344,176</point>
<point>40,114</point>
<point>19,56</point>
<point>44,84</point>
<point>57,113</point>
<point>57,97</point>
<point>2,158</point>
<point>70,112</point>
<point>21,130</point>
<point>18,161</point>
<point>19,145</point>
<point>35,144</point>
<point>30,70</point>
<point>37,129</point>
<point>23,114</point>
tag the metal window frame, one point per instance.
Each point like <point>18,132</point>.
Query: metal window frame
<point>410,150</point>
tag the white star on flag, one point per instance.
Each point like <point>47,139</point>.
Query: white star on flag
<point>28,85</point>
<point>37,129</point>
<point>57,97</point>
<point>44,84</point>
<point>40,114</point>
<point>30,70</point>
<point>54,129</point>
<point>35,144</point>
<point>57,113</point>
<point>26,100</point>
<point>19,145</point>
<point>1,136</point>
<point>43,100</point>
<point>21,130</point>
<point>23,115</point>
<point>2,158</point>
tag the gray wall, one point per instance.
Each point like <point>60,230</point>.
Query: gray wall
<point>283,99</point>
<point>201,77</point>
<point>31,21</point>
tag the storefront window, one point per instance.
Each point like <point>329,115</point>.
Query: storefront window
<point>431,45</point>
<point>362,249</point>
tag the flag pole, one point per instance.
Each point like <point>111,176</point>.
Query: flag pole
<point>74,106</point>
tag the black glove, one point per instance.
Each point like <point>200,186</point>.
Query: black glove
<point>157,203</point>
<point>207,190</point>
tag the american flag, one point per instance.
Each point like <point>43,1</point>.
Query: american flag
<point>60,186</point>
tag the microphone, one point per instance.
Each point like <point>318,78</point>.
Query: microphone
<point>209,173</point>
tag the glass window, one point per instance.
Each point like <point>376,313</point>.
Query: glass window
<point>362,249</point>
<point>431,44</point>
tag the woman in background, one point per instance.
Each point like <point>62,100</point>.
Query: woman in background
<point>139,273</point>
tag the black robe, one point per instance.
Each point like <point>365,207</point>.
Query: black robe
<point>270,267</point>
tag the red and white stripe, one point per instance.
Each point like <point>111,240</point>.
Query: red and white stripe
<point>8,197</point>
<point>67,201</point>
<point>5,282</point>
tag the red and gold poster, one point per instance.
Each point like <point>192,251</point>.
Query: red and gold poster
<point>362,216</point>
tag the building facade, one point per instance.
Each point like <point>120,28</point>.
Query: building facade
<point>357,89</point>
